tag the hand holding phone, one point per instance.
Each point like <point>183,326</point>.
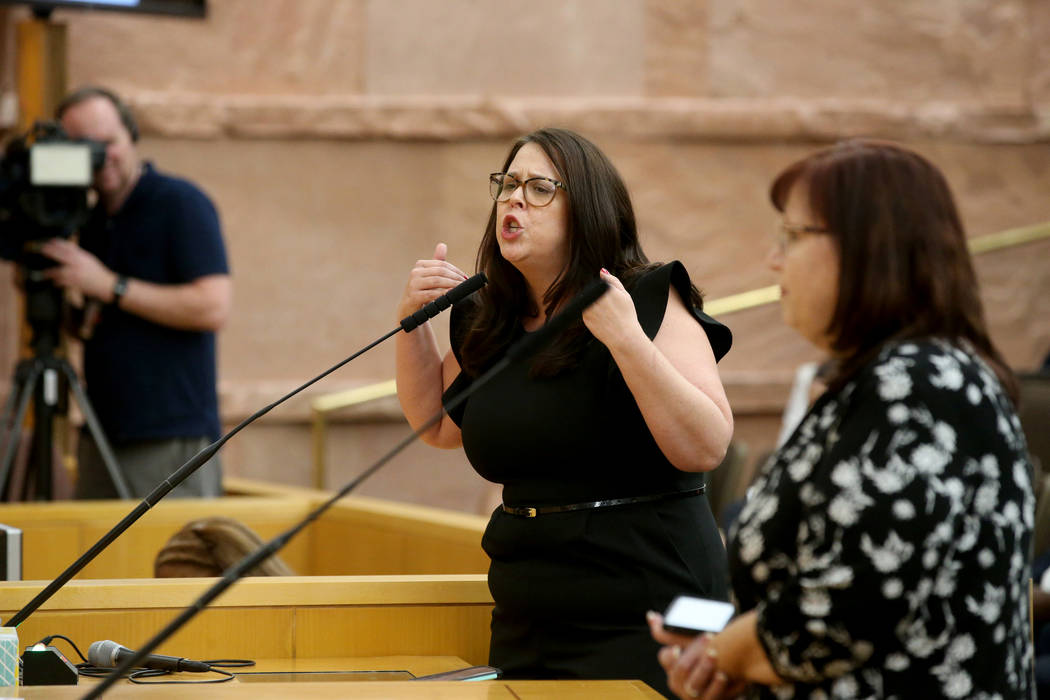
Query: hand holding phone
<point>691,616</point>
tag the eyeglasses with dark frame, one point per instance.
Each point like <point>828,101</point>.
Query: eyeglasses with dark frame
<point>539,191</point>
<point>787,233</point>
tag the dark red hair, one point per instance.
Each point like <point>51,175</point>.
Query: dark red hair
<point>906,272</point>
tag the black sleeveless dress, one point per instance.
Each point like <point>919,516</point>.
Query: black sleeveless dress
<point>572,588</point>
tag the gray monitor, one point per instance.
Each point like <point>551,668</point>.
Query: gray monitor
<point>10,553</point>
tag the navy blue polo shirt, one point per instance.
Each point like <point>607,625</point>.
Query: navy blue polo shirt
<point>148,381</point>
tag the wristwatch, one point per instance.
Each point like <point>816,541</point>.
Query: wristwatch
<point>119,288</point>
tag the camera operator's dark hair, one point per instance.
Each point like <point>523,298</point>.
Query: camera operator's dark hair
<point>88,92</point>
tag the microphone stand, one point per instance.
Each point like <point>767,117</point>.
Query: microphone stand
<point>523,348</point>
<point>408,324</point>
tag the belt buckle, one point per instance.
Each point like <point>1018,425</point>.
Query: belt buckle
<point>529,512</point>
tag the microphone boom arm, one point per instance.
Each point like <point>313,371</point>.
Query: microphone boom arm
<point>517,352</point>
<point>453,296</point>
<point>253,559</point>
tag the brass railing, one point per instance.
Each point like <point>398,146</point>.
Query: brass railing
<point>323,405</point>
<point>326,404</point>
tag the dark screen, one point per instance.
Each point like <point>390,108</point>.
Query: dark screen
<point>185,8</point>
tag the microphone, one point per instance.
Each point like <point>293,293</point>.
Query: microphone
<point>107,654</point>
<point>531,343</point>
<point>453,296</point>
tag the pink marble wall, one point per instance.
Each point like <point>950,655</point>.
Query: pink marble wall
<point>302,117</point>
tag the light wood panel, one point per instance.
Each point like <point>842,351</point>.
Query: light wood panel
<point>55,534</point>
<point>356,536</point>
<point>238,486</point>
<point>426,628</point>
<point>281,617</point>
<point>370,536</point>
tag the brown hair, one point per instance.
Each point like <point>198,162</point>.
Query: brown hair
<point>88,92</point>
<point>209,546</point>
<point>906,270</point>
<point>602,233</point>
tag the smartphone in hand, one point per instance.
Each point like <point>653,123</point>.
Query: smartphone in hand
<point>689,615</point>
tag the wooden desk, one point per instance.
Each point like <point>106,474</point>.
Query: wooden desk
<point>422,624</point>
<point>364,690</point>
<point>416,665</point>
<point>357,536</point>
<point>379,690</point>
<point>297,617</point>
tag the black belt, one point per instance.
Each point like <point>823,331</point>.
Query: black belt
<point>528,512</point>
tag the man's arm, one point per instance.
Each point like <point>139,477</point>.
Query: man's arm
<point>200,305</point>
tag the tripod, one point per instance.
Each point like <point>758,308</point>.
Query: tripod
<point>43,379</point>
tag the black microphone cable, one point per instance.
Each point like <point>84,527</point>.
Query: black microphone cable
<point>138,675</point>
<point>87,669</point>
<point>519,351</point>
<point>407,324</point>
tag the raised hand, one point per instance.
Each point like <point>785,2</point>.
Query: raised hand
<point>428,280</point>
<point>612,319</point>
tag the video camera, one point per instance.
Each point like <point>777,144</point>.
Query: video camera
<point>45,181</point>
<point>45,178</point>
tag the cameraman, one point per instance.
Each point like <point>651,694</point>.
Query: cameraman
<point>152,257</point>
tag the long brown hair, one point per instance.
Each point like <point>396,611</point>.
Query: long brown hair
<point>602,233</point>
<point>906,270</point>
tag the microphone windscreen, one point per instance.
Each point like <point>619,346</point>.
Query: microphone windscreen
<point>103,654</point>
<point>453,296</point>
<point>571,311</point>
<point>466,288</point>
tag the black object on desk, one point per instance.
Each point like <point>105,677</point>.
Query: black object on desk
<point>47,666</point>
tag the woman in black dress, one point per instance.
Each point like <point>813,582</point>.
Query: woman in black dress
<point>601,440</point>
<point>883,551</point>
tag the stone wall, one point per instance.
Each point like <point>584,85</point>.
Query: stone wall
<point>303,119</point>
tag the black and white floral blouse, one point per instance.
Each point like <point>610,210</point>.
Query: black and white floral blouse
<point>885,546</point>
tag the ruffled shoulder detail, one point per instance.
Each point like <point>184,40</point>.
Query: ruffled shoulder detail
<point>650,293</point>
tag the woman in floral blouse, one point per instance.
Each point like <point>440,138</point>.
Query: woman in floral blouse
<point>883,551</point>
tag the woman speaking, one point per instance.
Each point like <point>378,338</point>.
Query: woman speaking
<point>601,440</point>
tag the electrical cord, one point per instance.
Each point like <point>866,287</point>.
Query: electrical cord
<point>216,666</point>
<point>89,670</point>
<point>229,663</point>
<point>46,641</point>
<point>137,676</point>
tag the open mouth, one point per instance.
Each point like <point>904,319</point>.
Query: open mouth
<point>511,227</point>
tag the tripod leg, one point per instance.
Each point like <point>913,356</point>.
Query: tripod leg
<point>119,482</point>
<point>12,399</point>
<point>20,395</point>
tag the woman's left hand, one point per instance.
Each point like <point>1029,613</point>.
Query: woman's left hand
<point>612,319</point>
<point>691,664</point>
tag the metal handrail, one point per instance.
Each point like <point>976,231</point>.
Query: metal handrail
<point>979,244</point>
<point>327,403</point>
<point>321,406</point>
